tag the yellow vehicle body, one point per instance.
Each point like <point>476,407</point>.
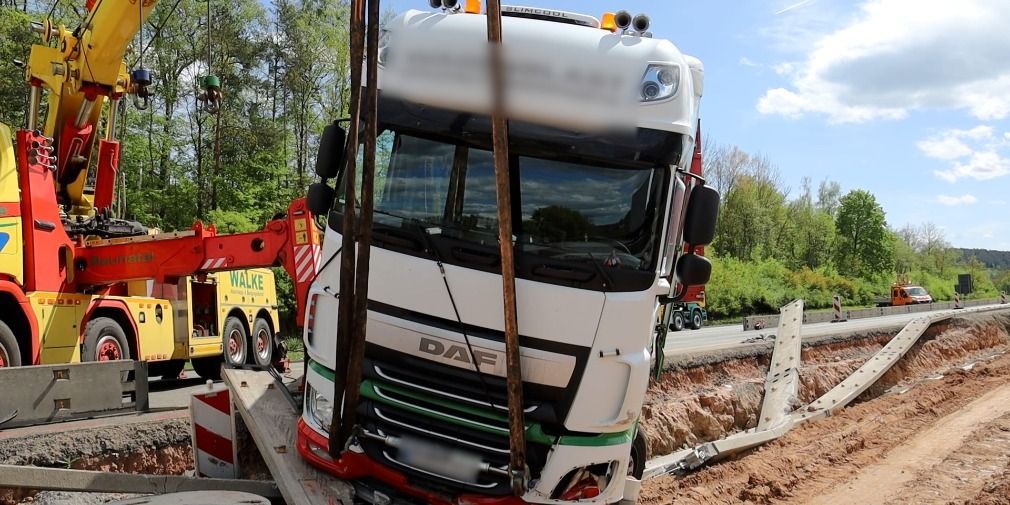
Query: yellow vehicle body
<point>178,328</point>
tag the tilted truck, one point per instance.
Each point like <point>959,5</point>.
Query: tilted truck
<point>603,123</point>
<point>155,297</point>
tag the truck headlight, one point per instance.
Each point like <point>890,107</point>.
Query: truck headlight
<point>660,82</point>
<point>319,407</point>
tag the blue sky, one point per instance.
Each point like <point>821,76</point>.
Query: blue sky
<point>908,99</point>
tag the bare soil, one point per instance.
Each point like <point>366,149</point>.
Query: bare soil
<point>944,440</point>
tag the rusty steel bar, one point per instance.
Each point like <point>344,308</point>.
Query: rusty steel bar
<point>513,366</point>
<point>345,309</point>
<point>356,351</point>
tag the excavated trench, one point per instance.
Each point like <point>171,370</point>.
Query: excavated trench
<point>690,405</point>
<point>161,448</point>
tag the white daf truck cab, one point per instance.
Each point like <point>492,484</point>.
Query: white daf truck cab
<point>603,122</point>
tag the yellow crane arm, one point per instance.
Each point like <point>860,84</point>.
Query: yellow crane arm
<point>79,70</point>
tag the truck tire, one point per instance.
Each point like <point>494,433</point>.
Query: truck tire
<point>677,321</point>
<point>167,370</point>
<point>104,340</point>
<point>639,452</point>
<point>696,319</point>
<point>235,342</point>
<point>10,352</point>
<point>208,368</point>
<point>262,343</point>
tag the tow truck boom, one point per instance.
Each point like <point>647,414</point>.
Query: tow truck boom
<point>291,241</point>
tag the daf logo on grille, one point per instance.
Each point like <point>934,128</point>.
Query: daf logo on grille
<point>456,352</point>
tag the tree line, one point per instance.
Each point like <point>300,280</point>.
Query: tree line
<point>283,66</point>
<point>771,248</point>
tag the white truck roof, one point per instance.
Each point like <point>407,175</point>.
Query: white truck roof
<point>563,74</point>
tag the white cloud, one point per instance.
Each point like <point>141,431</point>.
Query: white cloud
<point>956,200</point>
<point>747,62</point>
<point>977,154</point>
<point>900,55</point>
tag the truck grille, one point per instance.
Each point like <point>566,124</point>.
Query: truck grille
<point>411,397</point>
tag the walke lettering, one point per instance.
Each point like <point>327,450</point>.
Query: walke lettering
<point>247,280</point>
<point>456,352</point>
<point>100,261</point>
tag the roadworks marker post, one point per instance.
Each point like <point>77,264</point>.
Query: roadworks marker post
<point>1002,297</point>
<point>212,419</point>
<point>837,304</point>
<point>957,300</point>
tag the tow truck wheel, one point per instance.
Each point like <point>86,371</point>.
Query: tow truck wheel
<point>696,319</point>
<point>678,321</point>
<point>636,465</point>
<point>263,342</point>
<point>236,342</point>
<point>104,340</point>
<point>10,353</point>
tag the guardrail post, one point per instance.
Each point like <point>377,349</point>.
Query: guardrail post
<point>140,386</point>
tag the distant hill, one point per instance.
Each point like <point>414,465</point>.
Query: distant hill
<point>991,259</point>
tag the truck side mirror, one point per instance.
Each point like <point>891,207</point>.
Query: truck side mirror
<point>320,198</point>
<point>693,270</point>
<point>331,151</point>
<point>701,216</point>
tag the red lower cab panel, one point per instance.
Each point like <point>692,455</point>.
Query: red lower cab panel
<point>352,466</point>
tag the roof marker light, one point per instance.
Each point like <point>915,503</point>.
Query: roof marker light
<point>607,22</point>
<point>472,7</point>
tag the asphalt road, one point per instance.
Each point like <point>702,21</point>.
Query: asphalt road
<point>175,393</point>
<point>717,338</point>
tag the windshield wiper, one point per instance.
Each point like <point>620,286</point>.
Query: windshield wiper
<point>607,281</point>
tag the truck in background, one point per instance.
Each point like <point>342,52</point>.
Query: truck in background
<point>903,292</point>
<point>606,228</point>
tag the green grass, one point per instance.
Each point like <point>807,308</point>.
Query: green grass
<point>296,348</point>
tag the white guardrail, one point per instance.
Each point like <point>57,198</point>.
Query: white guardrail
<point>772,320</point>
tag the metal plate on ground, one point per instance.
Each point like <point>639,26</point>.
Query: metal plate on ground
<point>198,498</point>
<point>783,379</point>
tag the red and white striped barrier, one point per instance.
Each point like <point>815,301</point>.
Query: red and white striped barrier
<point>213,430</point>
<point>957,301</point>
<point>836,303</point>
<point>1002,297</point>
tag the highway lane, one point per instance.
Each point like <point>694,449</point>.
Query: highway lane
<point>172,394</point>
<point>717,338</point>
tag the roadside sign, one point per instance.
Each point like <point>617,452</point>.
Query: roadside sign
<point>213,432</point>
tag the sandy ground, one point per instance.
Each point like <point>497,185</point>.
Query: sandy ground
<point>945,439</point>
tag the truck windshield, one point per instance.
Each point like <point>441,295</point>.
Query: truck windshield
<point>563,210</point>
<point>917,292</point>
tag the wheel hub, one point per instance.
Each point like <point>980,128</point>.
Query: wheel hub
<point>262,341</point>
<point>108,349</point>
<point>234,346</point>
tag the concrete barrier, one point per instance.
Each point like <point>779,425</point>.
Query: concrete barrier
<point>772,320</point>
